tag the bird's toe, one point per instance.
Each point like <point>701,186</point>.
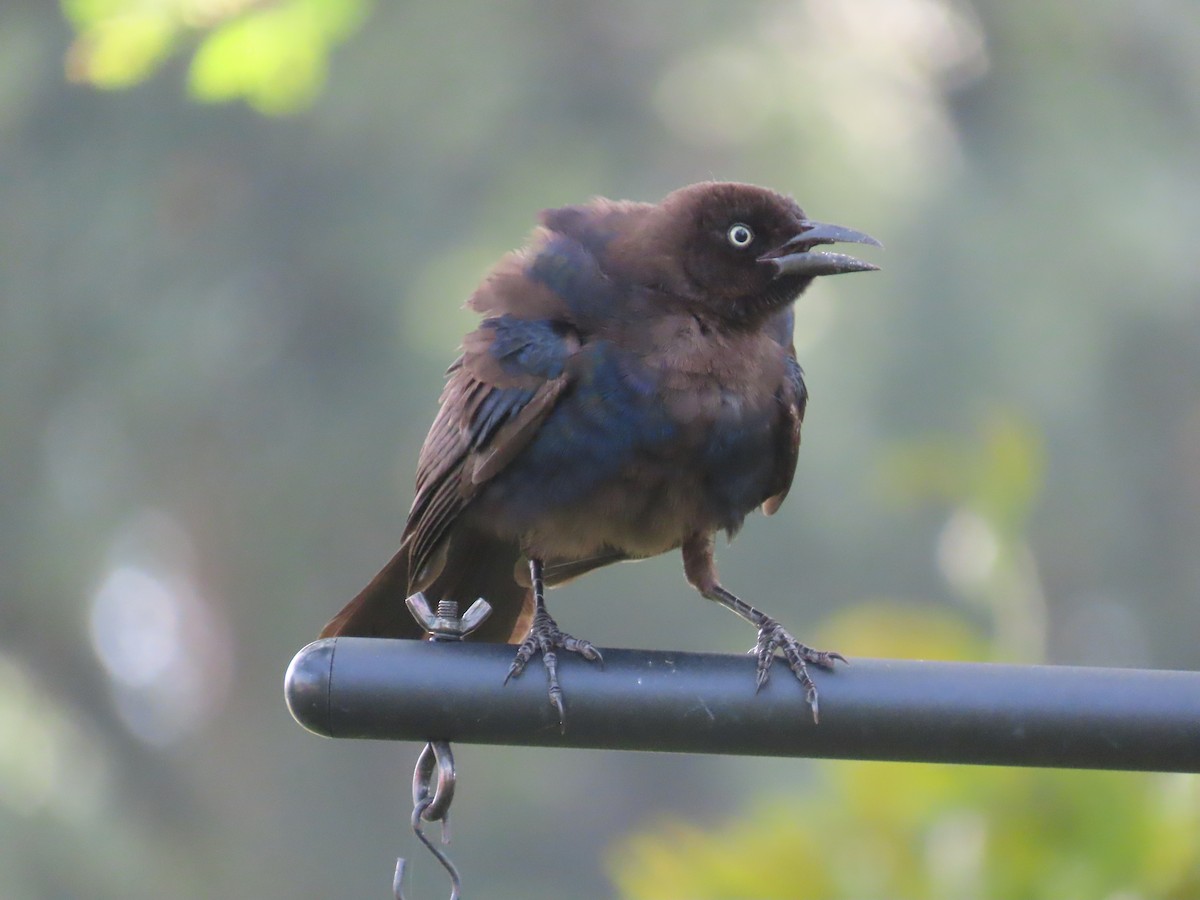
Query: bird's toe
<point>546,638</point>
<point>774,637</point>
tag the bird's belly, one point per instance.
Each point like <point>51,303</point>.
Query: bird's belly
<point>638,515</point>
<point>631,478</point>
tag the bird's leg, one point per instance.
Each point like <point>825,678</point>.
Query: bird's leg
<point>700,568</point>
<point>545,637</point>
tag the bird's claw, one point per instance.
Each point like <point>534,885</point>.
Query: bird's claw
<point>771,637</point>
<point>545,637</point>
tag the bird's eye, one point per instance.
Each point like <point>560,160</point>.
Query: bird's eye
<point>740,235</point>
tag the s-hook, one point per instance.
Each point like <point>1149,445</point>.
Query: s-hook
<point>431,798</point>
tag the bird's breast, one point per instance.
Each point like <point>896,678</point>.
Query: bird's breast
<point>643,450</point>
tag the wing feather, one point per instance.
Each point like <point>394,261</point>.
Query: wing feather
<point>498,394</point>
<point>792,396</point>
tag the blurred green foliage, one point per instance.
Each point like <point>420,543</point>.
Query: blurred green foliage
<point>222,337</point>
<point>273,55</point>
<point>923,832</point>
<point>998,476</point>
<point>988,486</point>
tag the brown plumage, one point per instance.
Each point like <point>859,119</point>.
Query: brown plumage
<point>632,389</point>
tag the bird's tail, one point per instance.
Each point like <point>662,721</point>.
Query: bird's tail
<point>475,566</point>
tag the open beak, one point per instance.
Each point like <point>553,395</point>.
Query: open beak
<point>797,256</point>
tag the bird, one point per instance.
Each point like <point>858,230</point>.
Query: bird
<point>631,389</point>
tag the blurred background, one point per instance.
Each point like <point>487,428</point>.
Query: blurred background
<point>235,238</point>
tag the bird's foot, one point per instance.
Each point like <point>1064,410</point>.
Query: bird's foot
<point>771,637</point>
<point>545,637</point>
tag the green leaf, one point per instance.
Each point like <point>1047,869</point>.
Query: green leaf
<point>274,59</point>
<point>121,51</point>
<point>274,56</point>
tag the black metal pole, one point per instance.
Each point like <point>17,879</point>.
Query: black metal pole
<point>705,703</point>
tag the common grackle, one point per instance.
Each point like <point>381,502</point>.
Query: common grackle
<point>632,389</point>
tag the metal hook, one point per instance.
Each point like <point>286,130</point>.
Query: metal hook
<point>437,756</point>
<point>431,799</point>
<point>432,806</point>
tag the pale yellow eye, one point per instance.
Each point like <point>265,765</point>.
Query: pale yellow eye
<point>740,235</point>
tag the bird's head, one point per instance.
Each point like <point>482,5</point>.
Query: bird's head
<point>743,251</point>
<point>735,251</point>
